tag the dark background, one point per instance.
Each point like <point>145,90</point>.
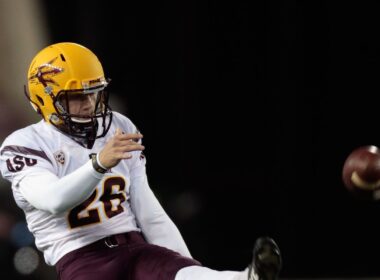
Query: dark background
<point>248,110</point>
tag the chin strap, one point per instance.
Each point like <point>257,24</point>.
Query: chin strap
<point>84,134</point>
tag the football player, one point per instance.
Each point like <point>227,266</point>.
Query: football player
<point>79,176</point>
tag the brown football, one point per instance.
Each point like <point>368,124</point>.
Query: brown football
<point>361,172</point>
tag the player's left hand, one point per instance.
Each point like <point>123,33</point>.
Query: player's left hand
<point>119,147</point>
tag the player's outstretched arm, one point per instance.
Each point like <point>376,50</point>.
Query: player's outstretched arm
<point>46,191</point>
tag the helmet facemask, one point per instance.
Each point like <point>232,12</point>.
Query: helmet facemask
<point>84,114</point>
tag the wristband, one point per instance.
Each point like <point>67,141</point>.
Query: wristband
<point>98,161</point>
<point>96,165</point>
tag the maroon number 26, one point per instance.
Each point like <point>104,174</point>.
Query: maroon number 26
<point>92,216</point>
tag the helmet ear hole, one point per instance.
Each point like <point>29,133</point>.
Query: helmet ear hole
<point>40,100</point>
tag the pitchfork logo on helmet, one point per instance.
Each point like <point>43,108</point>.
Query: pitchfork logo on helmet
<point>43,74</point>
<point>63,72</point>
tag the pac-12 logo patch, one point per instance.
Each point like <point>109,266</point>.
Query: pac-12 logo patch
<point>59,157</point>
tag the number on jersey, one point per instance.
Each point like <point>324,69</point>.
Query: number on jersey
<point>111,204</point>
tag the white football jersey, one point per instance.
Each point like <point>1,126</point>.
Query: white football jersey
<point>41,147</point>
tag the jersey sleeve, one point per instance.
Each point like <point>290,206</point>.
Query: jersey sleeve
<point>19,157</point>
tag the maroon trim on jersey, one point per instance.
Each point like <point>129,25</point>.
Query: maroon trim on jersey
<point>24,151</point>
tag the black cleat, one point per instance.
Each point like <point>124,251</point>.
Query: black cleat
<point>266,263</point>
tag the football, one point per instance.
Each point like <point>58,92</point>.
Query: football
<point>361,172</point>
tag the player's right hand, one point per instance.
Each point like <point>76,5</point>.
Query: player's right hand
<point>119,147</point>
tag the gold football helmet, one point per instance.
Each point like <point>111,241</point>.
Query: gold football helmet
<point>63,72</point>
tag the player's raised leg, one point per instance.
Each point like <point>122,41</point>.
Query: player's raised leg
<point>266,265</point>
<point>204,273</point>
